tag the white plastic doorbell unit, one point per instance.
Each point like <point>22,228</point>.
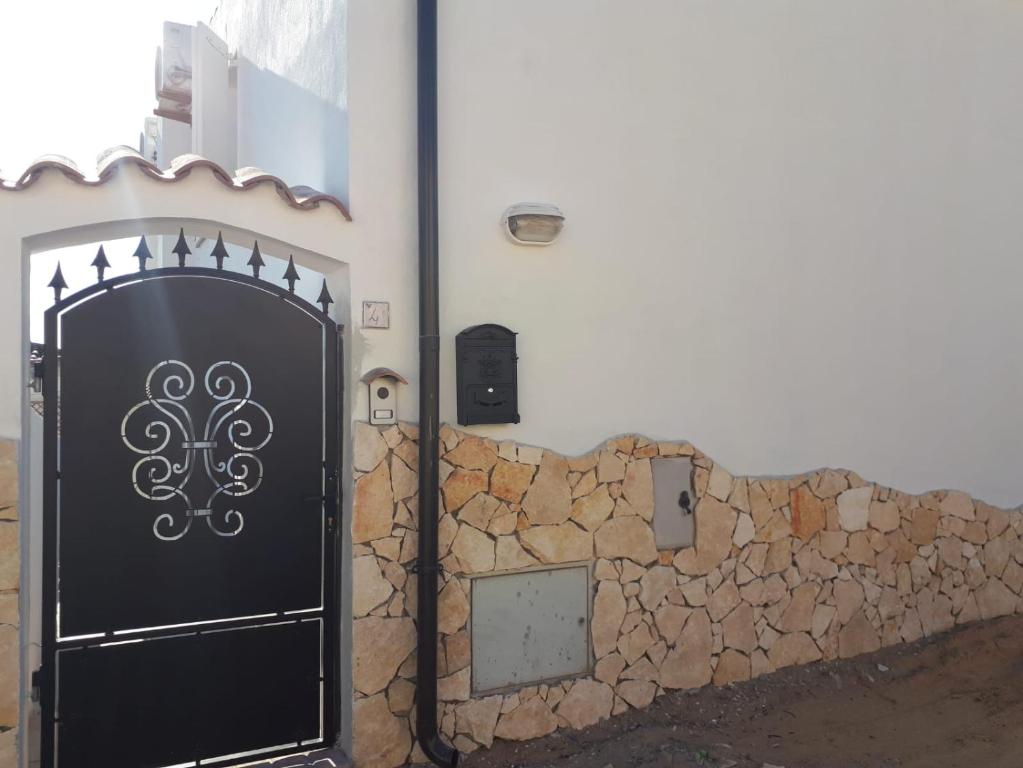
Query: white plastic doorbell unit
<point>383,395</point>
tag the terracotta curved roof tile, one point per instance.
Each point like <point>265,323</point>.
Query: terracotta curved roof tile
<point>110,161</point>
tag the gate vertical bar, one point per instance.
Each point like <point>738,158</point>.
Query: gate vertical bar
<point>51,416</point>
<point>333,392</point>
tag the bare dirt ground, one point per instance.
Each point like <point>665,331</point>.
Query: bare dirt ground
<point>952,701</point>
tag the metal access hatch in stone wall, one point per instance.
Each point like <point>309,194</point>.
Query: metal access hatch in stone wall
<point>529,627</point>
<point>674,502</point>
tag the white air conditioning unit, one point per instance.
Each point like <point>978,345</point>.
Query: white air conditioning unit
<point>174,73</point>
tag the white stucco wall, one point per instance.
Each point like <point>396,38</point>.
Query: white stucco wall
<point>55,212</point>
<point>793,227</point>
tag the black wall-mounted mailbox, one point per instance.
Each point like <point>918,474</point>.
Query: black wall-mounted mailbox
<point>487,376</point>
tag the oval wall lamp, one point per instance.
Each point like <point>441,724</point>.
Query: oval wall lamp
<point>533,223</point>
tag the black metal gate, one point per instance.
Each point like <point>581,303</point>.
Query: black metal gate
<point>190,530</point>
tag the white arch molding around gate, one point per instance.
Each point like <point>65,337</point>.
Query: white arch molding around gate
<point>57,209</point>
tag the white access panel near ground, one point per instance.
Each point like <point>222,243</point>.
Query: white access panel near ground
<point>528,627</point>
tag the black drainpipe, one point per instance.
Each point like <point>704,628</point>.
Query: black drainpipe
<point>429,384</point>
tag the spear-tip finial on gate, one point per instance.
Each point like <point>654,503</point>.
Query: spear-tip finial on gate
<point>219,252</point>
<point>291,274</point>
<point>181,248</point>
<point>100,263</point>
<point>324,299</point>
<point>256,259</point>
<point>142,254</point>
<point>57,283</point>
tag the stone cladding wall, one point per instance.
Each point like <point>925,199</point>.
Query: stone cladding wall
<point>10,565</point>
<point>784,571</point>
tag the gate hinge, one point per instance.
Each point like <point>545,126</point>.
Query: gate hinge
<point>37,367</point>
<point>37,681</point>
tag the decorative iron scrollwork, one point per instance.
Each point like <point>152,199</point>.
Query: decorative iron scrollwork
<point>236,428</point>
<point>490,366</point>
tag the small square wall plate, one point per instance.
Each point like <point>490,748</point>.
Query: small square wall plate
<point>376,314</point>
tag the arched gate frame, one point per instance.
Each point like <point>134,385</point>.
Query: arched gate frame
<point>192,435</point>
